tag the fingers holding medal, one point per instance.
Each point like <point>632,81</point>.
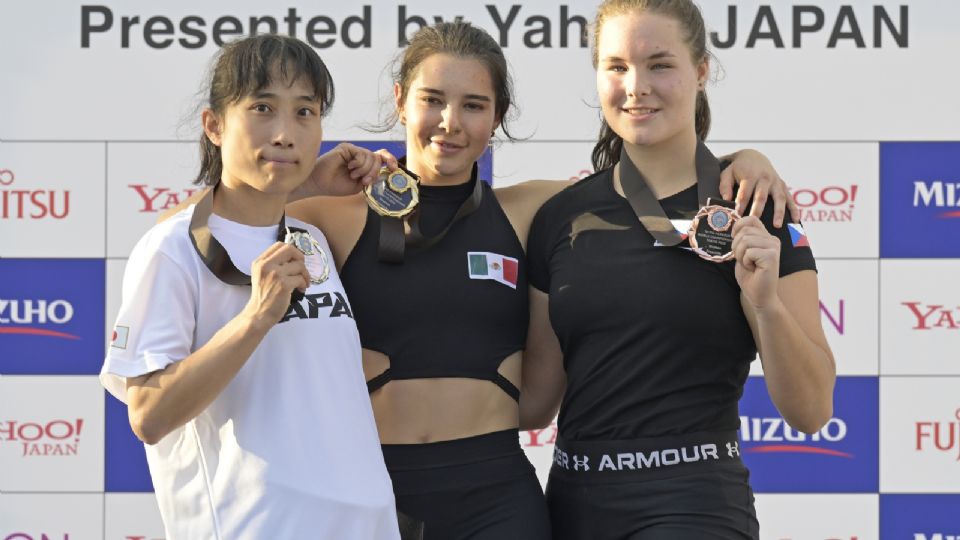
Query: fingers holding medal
<point>394,193</point>
<point>754,247</point>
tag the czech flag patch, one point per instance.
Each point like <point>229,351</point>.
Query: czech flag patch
<point>797,235</point>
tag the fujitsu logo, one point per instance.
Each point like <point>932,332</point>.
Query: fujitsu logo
<point>829,204</point>
<point>159,199</point>
<point>31,203</point>
<point>930,316</point>
<point>53,438</point>
<point>940,436</point>
<point>938,194</point>
<point>32,312</point>
<point>776,430</point>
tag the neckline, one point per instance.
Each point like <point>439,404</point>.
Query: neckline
<point>456,193</point>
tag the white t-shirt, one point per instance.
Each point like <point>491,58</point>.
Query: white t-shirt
<point>289,449</point>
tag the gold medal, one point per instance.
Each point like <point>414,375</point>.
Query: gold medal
<point>393,193</point>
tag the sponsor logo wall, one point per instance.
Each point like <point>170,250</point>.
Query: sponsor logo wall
<point>85,172</point>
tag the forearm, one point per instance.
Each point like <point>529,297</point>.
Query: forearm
<point>799,373</point>
<point>539,402</point>
<point>165,400</point>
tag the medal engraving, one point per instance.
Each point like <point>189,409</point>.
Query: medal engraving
<point>314,257</point>
<point>393,193</point>
<point>711,231</point>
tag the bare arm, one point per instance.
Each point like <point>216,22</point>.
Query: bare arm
<point>756,178</point>
<point>344,170</point>
<point>164,400</point>
<point>543,380</point>
<point>784,315</point>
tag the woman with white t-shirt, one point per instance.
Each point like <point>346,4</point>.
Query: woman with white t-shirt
<point>235,348</point>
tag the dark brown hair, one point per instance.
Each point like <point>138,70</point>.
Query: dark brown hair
<point>463,40</point>
<point>248,65</point>
<point>606,153</point>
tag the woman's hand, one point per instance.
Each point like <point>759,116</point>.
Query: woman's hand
<point>757,178</point>
<point>344,170</point>
<point>758,261</point>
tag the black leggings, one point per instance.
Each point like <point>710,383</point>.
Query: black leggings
<point>481,488</point>
<point>713,504</point>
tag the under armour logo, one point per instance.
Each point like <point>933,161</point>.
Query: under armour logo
<point>580,463</point>
<point>733,448</point>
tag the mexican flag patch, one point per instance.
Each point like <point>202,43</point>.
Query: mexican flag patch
<point>485,265</point>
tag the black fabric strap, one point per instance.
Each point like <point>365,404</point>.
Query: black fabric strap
<point>377,382</point>
<point>646,205</point>
<point>507,386</point>
<point>212,252</point>
<point>394,239</point>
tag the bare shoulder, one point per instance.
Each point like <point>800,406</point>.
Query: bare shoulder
<point>340,219</point>
<point>520,202</point>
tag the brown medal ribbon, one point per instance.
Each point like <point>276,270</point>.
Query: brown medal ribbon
<point>394,240</point>
<point>212,252</point>
<point>646,206</point>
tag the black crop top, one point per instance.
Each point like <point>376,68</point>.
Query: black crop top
<point>427,314</point>
<point>654,339</point>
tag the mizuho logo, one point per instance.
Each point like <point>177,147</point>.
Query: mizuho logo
<point>937,194</point>
<point>776,430</point>
<point>22,313</point>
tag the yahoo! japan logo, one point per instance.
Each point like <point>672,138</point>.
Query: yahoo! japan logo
<point>23,315</point>
<point>539,437</point>
<point>156,199</point>
<point>829,204</point>
<point>53,438</point>
<point>930,316</point>
<point>939,436</point>
<point>776,436</point>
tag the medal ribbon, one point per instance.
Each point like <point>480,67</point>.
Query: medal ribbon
<point>393,239</point>
<point>646,206</point>
<point>212,252</point>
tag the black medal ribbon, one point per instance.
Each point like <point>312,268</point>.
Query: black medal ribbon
<point>646,206</point>
<point>394,239</point>
<point>212,252</point>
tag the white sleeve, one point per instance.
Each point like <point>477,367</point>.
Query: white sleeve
<point>156,322</point>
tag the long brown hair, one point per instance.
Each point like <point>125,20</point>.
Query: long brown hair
<point>460,39</point>
<point>248,65</point>
<point>606,152</point>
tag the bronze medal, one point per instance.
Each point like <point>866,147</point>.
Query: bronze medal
<point>711,231</point>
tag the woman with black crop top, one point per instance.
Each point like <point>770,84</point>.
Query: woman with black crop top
<point>443,329</point>
<point>651,343</point>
